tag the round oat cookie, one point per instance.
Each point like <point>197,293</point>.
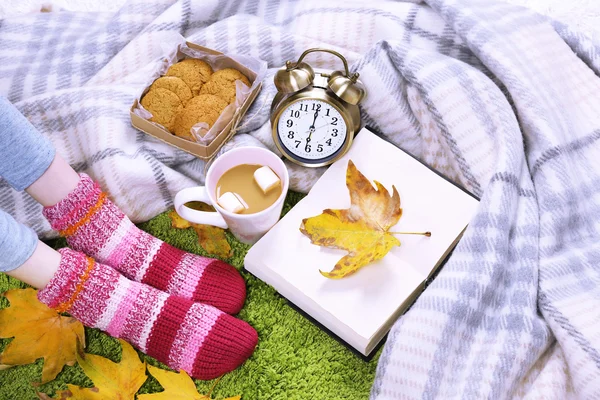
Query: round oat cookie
<point>193,72</point>
<point>164,106</point>
<point>202,108</point>
<point>222,84</point>
<point>175,85</point>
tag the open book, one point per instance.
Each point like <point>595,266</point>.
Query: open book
<point>361,308</point>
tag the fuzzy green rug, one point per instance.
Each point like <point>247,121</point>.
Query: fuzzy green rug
<point>294,359</point>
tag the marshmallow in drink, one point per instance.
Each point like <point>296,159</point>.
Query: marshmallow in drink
<point>266,179</point>
<point>232,203</point>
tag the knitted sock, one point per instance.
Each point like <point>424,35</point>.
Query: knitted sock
<point>195,337</point>
<point>94,225</point>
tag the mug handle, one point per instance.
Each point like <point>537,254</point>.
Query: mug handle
<point>198,193</point>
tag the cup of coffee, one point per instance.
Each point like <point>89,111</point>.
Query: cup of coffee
<point>233,174</point>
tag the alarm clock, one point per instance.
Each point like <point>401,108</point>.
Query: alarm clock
<point>315,115</point>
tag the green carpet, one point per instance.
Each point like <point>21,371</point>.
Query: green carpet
<point>294,359</point>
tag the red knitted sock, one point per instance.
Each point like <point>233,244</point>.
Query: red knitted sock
<point>195,337</point>
<point>96,226</point>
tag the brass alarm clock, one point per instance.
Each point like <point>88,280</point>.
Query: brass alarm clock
<point>315,115</point>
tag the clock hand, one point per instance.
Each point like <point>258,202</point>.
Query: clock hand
<point>312,126</point>
<point>322,126</point>
<point>310,132</point>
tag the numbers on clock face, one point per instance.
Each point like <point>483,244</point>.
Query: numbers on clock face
<point>311,129</point>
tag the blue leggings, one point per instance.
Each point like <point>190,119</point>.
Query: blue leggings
<point>24,156</point>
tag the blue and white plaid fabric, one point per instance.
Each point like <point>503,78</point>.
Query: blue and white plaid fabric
<point>502,101</point>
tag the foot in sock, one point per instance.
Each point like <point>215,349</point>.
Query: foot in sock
<point>94,225</point>
<point>195,337</point>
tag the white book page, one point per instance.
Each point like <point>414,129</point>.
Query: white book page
<point>363,302</point>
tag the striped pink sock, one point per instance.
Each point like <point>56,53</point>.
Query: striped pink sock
<point>96,226</point>
<point>195,337</point>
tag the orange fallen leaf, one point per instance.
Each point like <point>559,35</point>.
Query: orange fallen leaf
<point>177,222</point>
<point>362,229</point>
<point>211,238</point>
<point>178,386</point>
<point>112,381</point>
<point>39,331</point>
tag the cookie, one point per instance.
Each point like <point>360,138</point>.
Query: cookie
<point>175,85</point>
<point>164,106</point>
<point>193,72</point>
<point>202,108</point>
<point>222,84</point>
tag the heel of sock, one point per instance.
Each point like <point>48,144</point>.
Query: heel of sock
<point>73,207</point>
<point>66,280</point>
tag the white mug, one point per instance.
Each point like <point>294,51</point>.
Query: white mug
<point>247,228</point>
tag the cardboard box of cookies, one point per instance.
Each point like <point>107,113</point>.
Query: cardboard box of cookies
<point>197,98</point>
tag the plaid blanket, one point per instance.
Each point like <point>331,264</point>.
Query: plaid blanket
<point>502,101</point>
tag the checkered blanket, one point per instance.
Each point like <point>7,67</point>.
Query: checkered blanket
<point>499,99</point>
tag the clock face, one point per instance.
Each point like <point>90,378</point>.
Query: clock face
<point>311,129</point>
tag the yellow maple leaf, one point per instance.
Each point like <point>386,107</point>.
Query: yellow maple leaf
<point>38,331</point>
<point>112,381</point>
<point>362,229</point>
<point>211,238</point>
<point>178,386</point>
